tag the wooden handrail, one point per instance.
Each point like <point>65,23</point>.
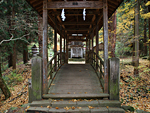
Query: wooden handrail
<point>98,64</point>
<point>51,67</point>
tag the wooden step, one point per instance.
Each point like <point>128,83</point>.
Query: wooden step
<point>75,110</point>
<point>75,96</point>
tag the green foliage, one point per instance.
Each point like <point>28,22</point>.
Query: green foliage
<point>13,78</point>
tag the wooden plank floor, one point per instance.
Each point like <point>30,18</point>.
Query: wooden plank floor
<point>76,79</point>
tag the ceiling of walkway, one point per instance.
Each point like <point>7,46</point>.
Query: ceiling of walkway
<point>74,23</point>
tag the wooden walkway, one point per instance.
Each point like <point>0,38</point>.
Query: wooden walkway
<point>76,81</point>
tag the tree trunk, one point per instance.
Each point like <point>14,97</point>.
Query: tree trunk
<point>3,86</point>
<point>136,58</point>
<point>14,46</point>
<point>25,53</point>
<point>149,33</point>
<point>145,38</point>
<point>10,60</point>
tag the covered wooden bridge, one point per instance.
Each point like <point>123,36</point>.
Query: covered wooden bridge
<point>75,20</point>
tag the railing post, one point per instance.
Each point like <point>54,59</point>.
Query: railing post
<point>35,86</point>
<point>58,61</point>
<point>51,70</point>
<point>113,78</point>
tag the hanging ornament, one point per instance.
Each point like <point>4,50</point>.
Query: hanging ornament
<point>63,15</point>
<point>84,13</point>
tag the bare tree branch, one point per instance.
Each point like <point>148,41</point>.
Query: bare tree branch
<point>11,39</point>
<point>1,1</point>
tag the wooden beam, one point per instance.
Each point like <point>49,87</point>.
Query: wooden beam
<point>83,40</point>
<point>77,29</point>
<point>105,30</point>
<point>76,23</point>
<point>75,4</point>
<point>45,27</point>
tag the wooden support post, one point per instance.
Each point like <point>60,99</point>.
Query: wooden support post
<point>92,47</point>
<point>105,28</point>
<point>89,43</point>
<point>45,25</point>
<point>87,50</point>
<point>97,46</point>
<point>40,34</point>
<point>66,49</point>
<point>61,46</point>
<point>64,46</point>
<point>55,45</point>
<point>114,78</point>
<point>35,84</point>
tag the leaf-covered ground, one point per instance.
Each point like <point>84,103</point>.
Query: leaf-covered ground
<point>134,91</point>
<point>19,90</point>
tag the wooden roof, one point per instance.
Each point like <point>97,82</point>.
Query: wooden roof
<point>74,23</point>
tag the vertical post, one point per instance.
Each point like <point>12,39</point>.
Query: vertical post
<point>97,46</point>
<point>114,77</point>
<point>61,46</point>
<point>35,86</point>
<point>66,49</point>
<point>92,47</point>
<point>45,24</point>
<point>55,44</point>
<point>71,52</point>
<point>40,33</point>
<point>64,46</point>
<point>105,28</point>
<point>89,43</point>
<point>86,50</point>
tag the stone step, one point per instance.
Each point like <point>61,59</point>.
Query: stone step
<point>75,110</point>
<point>75,96</point>
<point>76,103</point>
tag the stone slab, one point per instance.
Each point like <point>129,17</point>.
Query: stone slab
<point>82,110</point>
<point>43,103</point>
<point>99,110</point>
<point>93,103</point>
<point>110,103</point>
<point>72,96</point>
<point>38,109</point>
<point>63,104</point>
<point>115,110</point>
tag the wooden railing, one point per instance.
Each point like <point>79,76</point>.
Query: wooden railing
<point>98,65</point>
<point>53,68</point>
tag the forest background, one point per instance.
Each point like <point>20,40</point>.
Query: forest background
<point>19,31</point>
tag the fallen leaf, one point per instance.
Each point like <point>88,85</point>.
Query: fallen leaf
<point>79,107</point>
<point>66,108</point>
<point>73,107</point>
<point>68,92</point>
<point>107,107</point>
<point>41,106</point>
<point>56,107</point>
<point>49,107</point>
<point>85,92</point>
<point>90,107</point>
